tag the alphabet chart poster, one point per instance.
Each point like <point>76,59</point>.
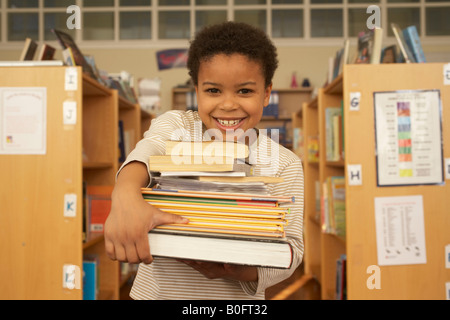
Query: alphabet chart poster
<point>408,137</point>
<point>400,230</point>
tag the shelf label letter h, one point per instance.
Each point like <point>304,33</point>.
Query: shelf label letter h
<point>74,21</point>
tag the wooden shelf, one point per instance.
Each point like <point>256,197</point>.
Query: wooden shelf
<point>47,240</point>
<point>359,244</point>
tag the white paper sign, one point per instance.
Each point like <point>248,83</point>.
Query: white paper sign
<point>70,112</point>
<point>447,74</point>
<point>71,79</point>
<point>355,100</point>
<point>354,173</point>
<point>408,137</point>
<point>70,205</point>
<point>23,116</point>
<point>400,230</point>
<point>447,168</point>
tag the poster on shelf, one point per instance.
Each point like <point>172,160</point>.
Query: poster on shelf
<point>400,230</point>
<point>408,137</point>
<point>23,116</point>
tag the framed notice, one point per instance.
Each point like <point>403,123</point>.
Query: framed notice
<point>408,133</point>
<point>23,116</point>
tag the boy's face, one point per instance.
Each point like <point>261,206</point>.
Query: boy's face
<point>231,93</point>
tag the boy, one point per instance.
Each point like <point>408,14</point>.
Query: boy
<point>232,66</point>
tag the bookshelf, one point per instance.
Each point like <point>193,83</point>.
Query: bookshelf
<point>403,281</point>
<point>39,238</point>
<point>290,101</point>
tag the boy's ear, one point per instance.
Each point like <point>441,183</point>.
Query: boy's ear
<point>267,93</point>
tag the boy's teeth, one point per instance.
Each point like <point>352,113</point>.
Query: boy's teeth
<point>229,123</point>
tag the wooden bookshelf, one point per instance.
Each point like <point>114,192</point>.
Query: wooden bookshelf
<point>38,239</point>
<point>404,281</point>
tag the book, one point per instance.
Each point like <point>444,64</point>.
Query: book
<point>90,277</point>
<point>377,43</point>
<point>29,50</point>
<point>98,206</point>
<point>234,250</point>
<point>66,41</point>
<point>333,133</point>
<point>222,212</point>
<point>207,148</point>
<point>69,60</point>
<point>404,48</point>
<point>365,43</point>
<point>313,149</point>
<point>341,278</point>
<point>389,54</point>
<point>412,39</point>
<point>191,183</point>
<point>198,163</point>
<point>230,179</point>
<point>47,52</point>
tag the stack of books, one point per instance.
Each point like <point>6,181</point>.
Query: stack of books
<point>232,219</point>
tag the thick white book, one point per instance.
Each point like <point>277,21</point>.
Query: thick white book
<point>251,251</point>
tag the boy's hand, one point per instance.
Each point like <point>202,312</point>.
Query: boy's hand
<point>127,227</point>
<point>213,270</point>
<point>131,218</point>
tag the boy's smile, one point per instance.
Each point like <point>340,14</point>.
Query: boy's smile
<point>231,93</point>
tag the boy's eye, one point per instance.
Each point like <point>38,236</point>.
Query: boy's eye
<point>212,90</point>
<point>245,91</point>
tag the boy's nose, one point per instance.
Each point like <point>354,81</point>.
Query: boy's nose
<point>228,104</point>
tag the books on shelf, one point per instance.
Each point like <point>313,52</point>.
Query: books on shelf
<point>29,50</point>
<point>375,56</point>
<point>334,134</point>
<point>370,46</point>
<point>223,227</point>
<point>313,149</point>
<point>91,279</point>
<point>46,53</point>
<point>333,206</point>
<point>404,48</point>
<point>412,40</point>
<point>66,41</point>
<point>272,109</point>
<point>97,208</point>
<point>341,278</point>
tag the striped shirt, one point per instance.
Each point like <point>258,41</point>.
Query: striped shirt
<point>169,279</point>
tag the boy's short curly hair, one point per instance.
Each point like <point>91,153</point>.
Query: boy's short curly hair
<point>229,38</point>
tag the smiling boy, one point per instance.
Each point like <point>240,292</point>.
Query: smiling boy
<point>231,65</point>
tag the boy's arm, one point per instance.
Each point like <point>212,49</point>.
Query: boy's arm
<point>131,218</point>
<point>293,186</point>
